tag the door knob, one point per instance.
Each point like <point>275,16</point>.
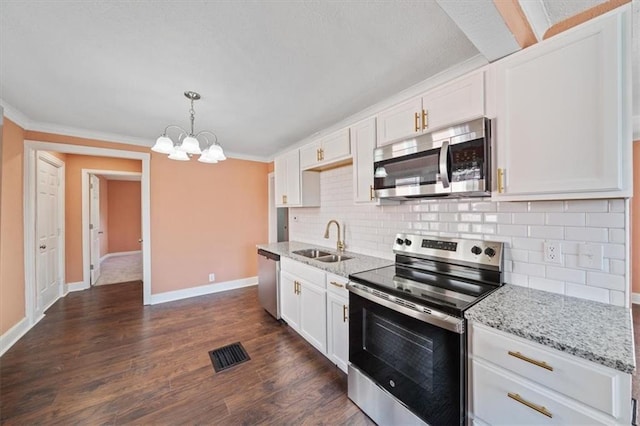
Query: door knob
<point>139,240</point>
<point>44,246</point>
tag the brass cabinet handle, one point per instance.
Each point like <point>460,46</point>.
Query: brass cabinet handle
<point>372,193</point>
<point>345,314</point>
<point>539,408</point>
<point>336,284</point>
<point>321,154</point>
<point>425,120</point>
<point>317,154</point>
<point>298,287</point>
<point>416,122</point>
<point>500,181</point>
<point>541,364</point>
<point>284,199</point>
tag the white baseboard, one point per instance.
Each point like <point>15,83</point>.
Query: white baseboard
<point>119,253</point>
<point>77,286</point>
<point>11,336</point>
<point>170,296</point>
<point>635,298</point>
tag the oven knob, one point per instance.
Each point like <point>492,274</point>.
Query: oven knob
<point>476,250</point>
<point>407,242</point>
<point>399,241</point>
<point>489,252</point>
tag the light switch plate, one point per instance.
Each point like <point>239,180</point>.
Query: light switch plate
<point>591,256</point>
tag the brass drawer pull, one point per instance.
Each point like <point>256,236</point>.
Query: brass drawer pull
<point>416,122</point>
<point>539,408</point>
<point>425,120</point>
<point>372,193</point>
<point>532,361</point>
<point>500,181</point>
<point>337,284</point>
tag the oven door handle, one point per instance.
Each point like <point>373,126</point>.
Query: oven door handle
<point>444,164</point>
<point>433,317</point>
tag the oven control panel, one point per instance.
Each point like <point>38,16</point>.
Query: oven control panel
<point>480,252</point>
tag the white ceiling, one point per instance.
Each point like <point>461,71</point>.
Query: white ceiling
<point>270,73</point>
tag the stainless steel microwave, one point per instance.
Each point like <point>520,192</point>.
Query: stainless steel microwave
<point>452,162</point>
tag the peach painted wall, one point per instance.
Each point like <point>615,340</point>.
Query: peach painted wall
<point>104,216</point>
<point>125,216</point>
<point>11,227</point>
<point>73,204</point>
<point>635,221</point>
<point>206,218</point>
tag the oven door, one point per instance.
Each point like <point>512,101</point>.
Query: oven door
<point>420,364</point>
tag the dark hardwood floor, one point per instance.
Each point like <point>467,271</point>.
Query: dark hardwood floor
<point>100,357</point>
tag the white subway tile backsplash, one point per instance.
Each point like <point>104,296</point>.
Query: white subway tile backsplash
<point>605,220</point>
<point>513,230</point>
<point>528,218</point>
<point>586,234</point>
<point>553,232</point>
<point>565,274</point>
<point>552,286</point>
<point>602,280</point>
<point>585,292</point>
<point>566,219</point>
<point>522,226</point>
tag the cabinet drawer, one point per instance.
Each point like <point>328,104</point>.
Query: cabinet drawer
<point>308,273</point>
<point>337,285</point>
<point>500,398</point>
<point>589,383</point>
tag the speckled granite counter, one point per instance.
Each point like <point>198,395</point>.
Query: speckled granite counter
<point>594,331</point>
<point>357,263</point>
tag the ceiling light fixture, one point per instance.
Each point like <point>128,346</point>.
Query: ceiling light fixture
<point>188,143</point>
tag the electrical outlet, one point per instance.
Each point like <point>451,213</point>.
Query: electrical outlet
<point>591,256</point>
<point>212,277</point>
<point>552,252</point>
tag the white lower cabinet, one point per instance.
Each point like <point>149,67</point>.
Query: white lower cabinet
<point>338,321</point>
<point>316,305</point>
<point>514,381</point>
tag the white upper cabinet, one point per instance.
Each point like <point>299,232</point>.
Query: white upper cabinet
<point>459,100</point>
<point>328,150</point>
<point>564,115</point>
<point>363,141</point>
<point>294,188</point>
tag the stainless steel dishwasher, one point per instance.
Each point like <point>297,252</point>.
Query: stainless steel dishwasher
<point>269,282</point>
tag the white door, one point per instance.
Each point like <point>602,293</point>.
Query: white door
<point>47,234</point>
<point>94,226</point>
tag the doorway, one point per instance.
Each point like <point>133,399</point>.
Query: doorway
<point>30,177</point>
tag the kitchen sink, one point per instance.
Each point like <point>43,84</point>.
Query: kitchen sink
<point>312,253</point>
<point>332,258</point>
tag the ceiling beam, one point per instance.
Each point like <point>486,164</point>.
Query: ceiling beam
<point>483,25</point>
<point>517,22</point>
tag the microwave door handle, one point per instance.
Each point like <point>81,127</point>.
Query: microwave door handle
<point>444,168</point>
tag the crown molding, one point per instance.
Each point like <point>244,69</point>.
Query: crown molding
<point>14,114</point>
<point>248,157</point>
<point>89,134</point>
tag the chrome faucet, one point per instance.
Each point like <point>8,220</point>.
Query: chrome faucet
<point>339,244</point>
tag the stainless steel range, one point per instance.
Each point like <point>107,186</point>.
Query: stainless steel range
<point>407,333</point>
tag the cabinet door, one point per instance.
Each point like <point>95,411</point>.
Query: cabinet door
<point>400,121</point>
<point>363,140</point>
<point>336,146</point>
<point>561,111</point>
<point>293,178</point>
<point>313,315</point>
<point>289,301</point>
<point>455,102</point>
<point>309,155</point>
<point>280,180</point>
<point>338,330</point>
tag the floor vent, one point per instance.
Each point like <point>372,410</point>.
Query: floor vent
<point>228,356</point>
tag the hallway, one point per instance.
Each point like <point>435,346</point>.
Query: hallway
<point>120,269</point>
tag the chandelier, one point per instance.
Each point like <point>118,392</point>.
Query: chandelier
<point>188,143</point>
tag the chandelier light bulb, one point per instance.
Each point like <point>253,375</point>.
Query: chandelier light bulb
<point>206,157</point>
<point>190,145</point>
<point>179,155</point>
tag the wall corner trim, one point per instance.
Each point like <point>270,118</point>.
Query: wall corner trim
<point>636,127</point>
<point>77,286</point>
<point>11,336</point>
<point>635,298</point>
<point>202,290</point>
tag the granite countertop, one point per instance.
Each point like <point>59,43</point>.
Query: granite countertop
<point>357,263</point>
<point>593,331</point>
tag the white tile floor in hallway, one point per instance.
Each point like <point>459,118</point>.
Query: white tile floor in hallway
<point>120,269</point>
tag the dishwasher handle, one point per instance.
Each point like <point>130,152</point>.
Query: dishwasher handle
<point>269,255</point>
